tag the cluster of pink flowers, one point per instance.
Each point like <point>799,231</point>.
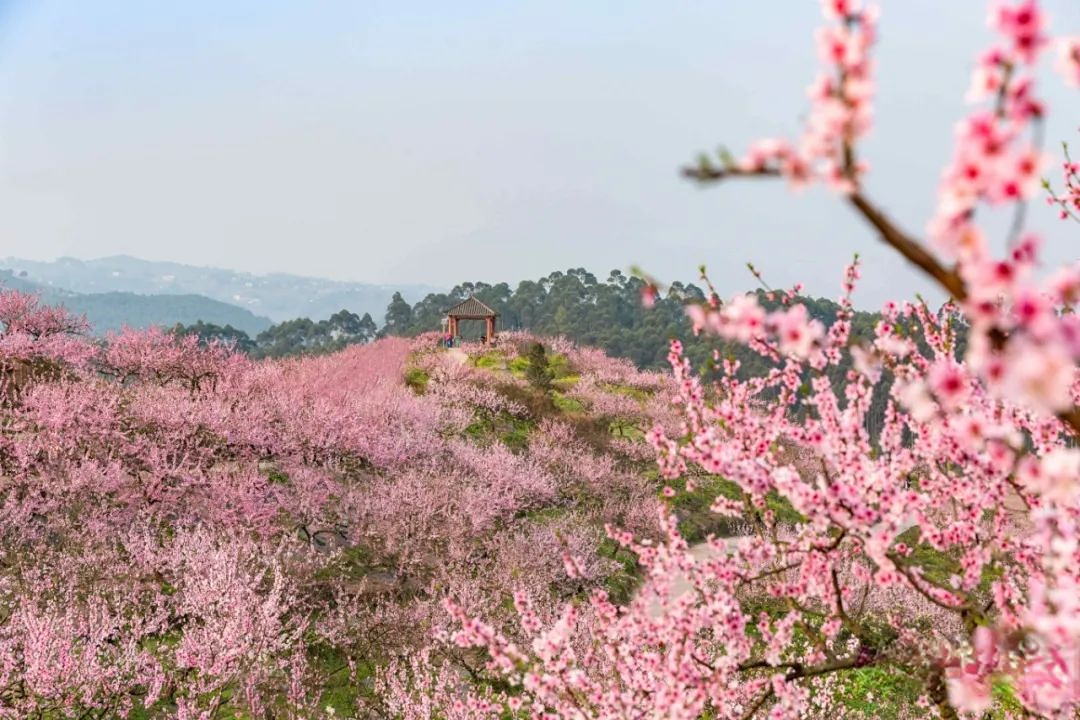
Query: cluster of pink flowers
<point>996,161</point>
<point>789,331</point>
<point>1067,200</point>
<point>840,111</point>
<point>1068,63</point>
<point>34,332</point>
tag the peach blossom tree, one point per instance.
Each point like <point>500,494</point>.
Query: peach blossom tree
<point>943,549</point>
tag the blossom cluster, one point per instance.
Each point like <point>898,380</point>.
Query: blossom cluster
<point>840,110</point>
<point>1067,200</point>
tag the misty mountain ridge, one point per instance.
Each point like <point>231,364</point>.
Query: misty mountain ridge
<point>277,296</point>
<point>113,310</point>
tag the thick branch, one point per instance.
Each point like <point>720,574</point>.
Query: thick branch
<point>891,234</point>
<point>911,249</point>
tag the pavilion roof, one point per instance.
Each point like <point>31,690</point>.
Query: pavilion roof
<point>471,309</point>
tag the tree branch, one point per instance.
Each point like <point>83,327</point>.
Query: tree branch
<point>911,249</point>
<point>891,234</point>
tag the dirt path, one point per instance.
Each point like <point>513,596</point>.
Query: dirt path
<point>682,585</point>
<point>459,355</point>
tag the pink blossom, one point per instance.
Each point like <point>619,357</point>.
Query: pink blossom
<point>1041,375</point>
<point>968,692</point>
<point>1068,60</point>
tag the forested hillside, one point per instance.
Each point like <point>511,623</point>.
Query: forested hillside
<point>607,314</point>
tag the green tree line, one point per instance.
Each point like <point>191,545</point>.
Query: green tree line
<point>301,336</point>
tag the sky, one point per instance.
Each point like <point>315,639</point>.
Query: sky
<point>425,141</point>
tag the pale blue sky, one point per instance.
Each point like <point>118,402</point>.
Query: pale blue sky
<point>434,142</point>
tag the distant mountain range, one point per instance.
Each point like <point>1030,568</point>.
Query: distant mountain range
<point>110,311</point>
<point>121,289</point>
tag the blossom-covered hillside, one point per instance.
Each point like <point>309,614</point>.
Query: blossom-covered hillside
<point>187,533</point>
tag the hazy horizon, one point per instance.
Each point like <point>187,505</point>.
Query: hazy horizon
<point>416,143</point>
<point>206,266</point>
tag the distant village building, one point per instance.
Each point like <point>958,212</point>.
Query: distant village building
<point>471,309</point>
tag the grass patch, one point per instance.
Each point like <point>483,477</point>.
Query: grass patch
<point>562,373</point>
<point>276,477</point>
<point>490,361</point>
<point>696,520</point>
<point>880,692</point>
<point>937,566</point>
<point>518,366</point>
<point>339,691</point>
<point>626,431</point>
<point>417,380</point>
<point>559,366</point>
<point>627,390</point>
<point>783,510</point>
<point>1006,705</point>
<point>623,583</point>
<point>544,515</point>
<point>477,430</point>
<point>567,404</point>
<point>517,436</point>
<point>352,563</point>
<point>513,431</point>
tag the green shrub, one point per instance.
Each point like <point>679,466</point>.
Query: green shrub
<point>490,361</point>
<point>567,404</point>
<point>416,379</point>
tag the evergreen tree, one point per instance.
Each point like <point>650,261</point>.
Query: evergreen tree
<point>539,371</point>
<point>208,332</point>
<point>399,316</point>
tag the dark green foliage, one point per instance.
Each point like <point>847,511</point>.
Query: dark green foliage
<point>399,317</point>
<point>292,337</point>
<point>605,314</point>
<point>416,379</point>
<point>609,315</point>
<point>307,337</point>
<point>538,373</point>
<point>209,332</point>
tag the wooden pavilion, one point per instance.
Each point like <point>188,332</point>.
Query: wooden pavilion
<point>472,309</point>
